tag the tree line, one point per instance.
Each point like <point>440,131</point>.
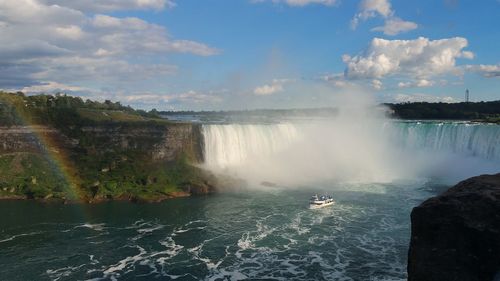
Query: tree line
<point>455,111</point>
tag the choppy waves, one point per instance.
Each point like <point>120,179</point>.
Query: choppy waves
<point>364,236</point>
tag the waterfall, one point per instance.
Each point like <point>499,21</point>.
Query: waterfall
<point>227,145</point>
<point>363,151</point>
<point>470,139</point>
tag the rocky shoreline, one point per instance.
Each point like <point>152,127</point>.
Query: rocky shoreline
<point>199,190</point>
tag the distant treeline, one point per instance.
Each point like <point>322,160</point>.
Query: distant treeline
<point>484,111</point>
<point>60,109</point>
<point>480,111</point>
<point>255,112</point>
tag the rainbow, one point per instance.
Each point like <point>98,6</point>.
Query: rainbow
<point>53,151</point>
<point>59,159</point>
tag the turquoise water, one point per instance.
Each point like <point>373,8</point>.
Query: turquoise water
<point>250,234</point>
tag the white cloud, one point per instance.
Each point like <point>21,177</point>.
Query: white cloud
<point>373,8</point>
<point>102,6</point>
<point>133,35</point>
<point>486,70</point>
<point>370,8</point>
<point>189,97</point>
<point>112,70</point>
<point>186,46</point>
<point>377,84</point>
<point>419,83</point>
<point>423,98</point>
<point>54,40</point>
<point>395,26</point>
<point>276,86</point>
<point>30,49</point>
<point>299,3</point>
<point>268,89</point>
<point>467,55</point>
<point>420,58</point>
<point>32,12</point>
<point>72,32</point>
<point>52,87</point>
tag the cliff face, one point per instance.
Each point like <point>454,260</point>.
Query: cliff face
<point>149,161</point>
<point>29,139</point>
<point>161,143</point>
<point>456,235</point>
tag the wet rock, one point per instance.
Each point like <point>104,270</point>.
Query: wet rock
<point>198,188</point>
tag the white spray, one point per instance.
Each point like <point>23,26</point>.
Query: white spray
<point>358,145</point>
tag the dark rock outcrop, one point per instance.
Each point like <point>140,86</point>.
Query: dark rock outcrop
<point>456,235</point>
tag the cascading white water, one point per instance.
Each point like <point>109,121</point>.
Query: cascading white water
<point>470,139</point>
<point>227,145</point>
<point>295,153</point>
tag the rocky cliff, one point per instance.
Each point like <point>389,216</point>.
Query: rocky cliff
<point>160,142</point>
<point>148,160</point>
<point>456,235</point>
<point>29,138</point>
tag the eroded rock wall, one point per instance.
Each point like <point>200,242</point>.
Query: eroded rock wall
<point>161,142</point>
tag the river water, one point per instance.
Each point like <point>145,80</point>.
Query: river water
<point>264,232</point>
<point>267,234</point>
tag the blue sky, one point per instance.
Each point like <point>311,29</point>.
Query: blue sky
<point>208,54</point>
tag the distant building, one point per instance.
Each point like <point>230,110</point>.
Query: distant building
<point>466,95</point>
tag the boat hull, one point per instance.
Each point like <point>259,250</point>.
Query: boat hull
<point>318,206</point>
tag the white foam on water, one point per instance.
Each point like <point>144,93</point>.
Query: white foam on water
<point>124,265</point>
<point>19,235</point>
<point>150,229</point>
<point>93,260</point>
<point>57,274</point>
<point>145,229</point>
<point>93,226</point>
<point>173,249</point>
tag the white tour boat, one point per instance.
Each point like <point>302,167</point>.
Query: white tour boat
<point>320,201</point>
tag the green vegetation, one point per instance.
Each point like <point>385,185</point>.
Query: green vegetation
<point>135,178</point>
<point>62,110</point>
<point>100,151</point>
<point>29,175</point>
<point>479,111</point>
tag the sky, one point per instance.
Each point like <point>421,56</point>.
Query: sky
<point>246,54</point>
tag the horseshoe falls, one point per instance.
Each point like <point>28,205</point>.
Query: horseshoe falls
<point>470,139</point>
<point>296,153</point>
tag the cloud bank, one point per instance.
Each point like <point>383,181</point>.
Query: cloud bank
<point>54,42</point>
<point>420,58</point>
